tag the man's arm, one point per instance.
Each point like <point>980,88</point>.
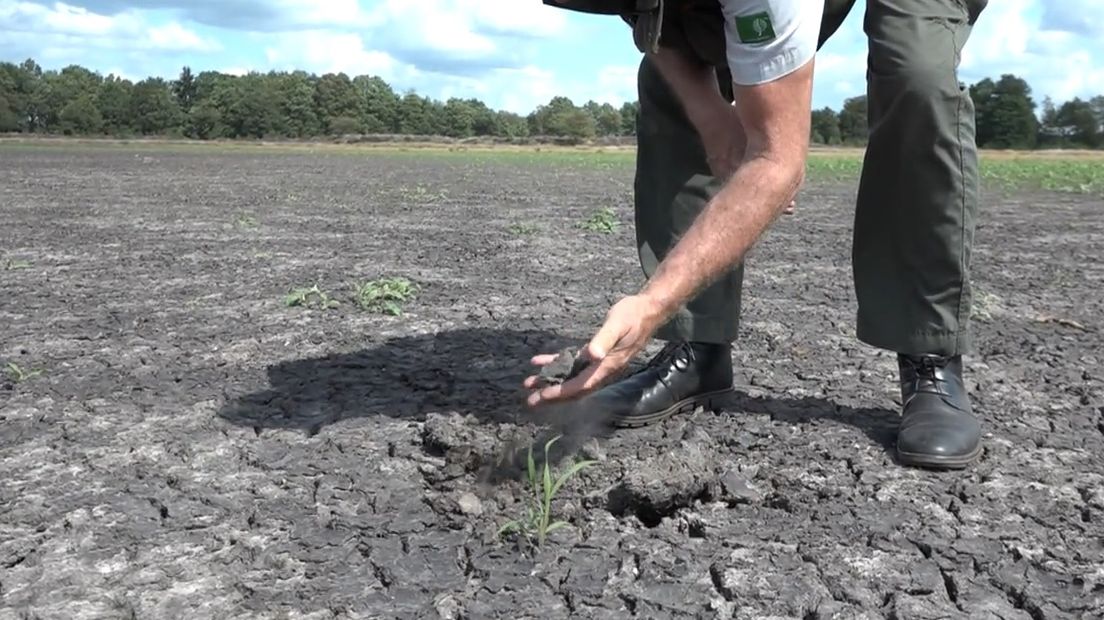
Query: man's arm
<point>770,49</point>
<point>775,117</point>
<point>713,117</point>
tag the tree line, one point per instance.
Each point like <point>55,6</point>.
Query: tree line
<point>77,101</point>
<point>297,104</point>
<point>1006,115</point>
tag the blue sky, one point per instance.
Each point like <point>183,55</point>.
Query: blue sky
<point>513,54</point>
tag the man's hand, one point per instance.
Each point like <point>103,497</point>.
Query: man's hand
<point>629,326</point>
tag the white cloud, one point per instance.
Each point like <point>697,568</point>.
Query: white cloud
<point>322,51</point>
<point>1056,49</point>
<point>616,84</point>
<point>173,36</point>
<point>63,26</point>
<point>69,20</point>
<point>839,76</point>
<point>526,18</point>
<point>1083,17</point>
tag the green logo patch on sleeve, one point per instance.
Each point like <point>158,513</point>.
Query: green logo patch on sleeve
<point>755,28</point>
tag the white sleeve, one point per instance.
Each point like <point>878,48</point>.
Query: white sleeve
<point>768,39</point>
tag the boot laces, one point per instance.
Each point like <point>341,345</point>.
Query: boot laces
<point>925,374</point>
<point>670,352</point>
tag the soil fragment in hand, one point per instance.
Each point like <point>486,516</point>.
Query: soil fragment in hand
<point>567,365</point>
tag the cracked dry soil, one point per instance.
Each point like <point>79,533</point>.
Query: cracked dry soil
<point>195,449</point>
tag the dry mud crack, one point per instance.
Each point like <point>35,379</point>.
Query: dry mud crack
<point>195,448</point>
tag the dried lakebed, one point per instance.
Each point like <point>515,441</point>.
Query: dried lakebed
<point>193,447</point>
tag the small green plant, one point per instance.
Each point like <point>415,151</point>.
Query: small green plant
<point>984,306</point>
<point>385,295</point>
<point>524,229</point>
<point>18,375</point>
<point>246,221</point>
<point>538,524</point>
<point>421,193</point>
<point>603,220</point>
<point>11,264</point>
<point>312,297</point>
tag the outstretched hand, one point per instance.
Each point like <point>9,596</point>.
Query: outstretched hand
<point>629,325</point>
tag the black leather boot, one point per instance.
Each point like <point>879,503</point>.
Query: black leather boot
<point>678,379</point>
<point>937,429</point>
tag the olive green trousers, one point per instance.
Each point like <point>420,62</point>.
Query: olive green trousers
<point>917,199</point>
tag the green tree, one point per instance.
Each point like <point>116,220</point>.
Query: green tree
<point>484,119</point>
<point>1005,113</point>
<point>630,110</point>
<point>204,121</point>
<point>608,120</point>
<point>113,102</point>
<point>459,118</point>
<point>184,90</point>
<point>1097,105</point>
<point>60,88</point>
<point>247,106</point>
<point>826,127</point>
<point>1079,123</point>
<point>9,119</point>
<point>852,120</point>
<point>420,116</point>
<point>152,107</point>
<point>295,112</point>
<point>81,116</point>
<point>336,97</point>
<point>592,108</point>
<point>1049,133</point>
<point>12,105</point>
<point>30,84</point>
<point>562,118</point>
<point>510,125</point>
<point>379,104</point>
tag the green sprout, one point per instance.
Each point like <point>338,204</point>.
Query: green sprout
<point>246,221</point>
<point>310,297</point>
<point>603,220</point>
<point>538,523</point>
<point>421,193</point>
<point>385,295</point>
<point>18,375</point>
<point>523,229</point>
<point>12,264</point>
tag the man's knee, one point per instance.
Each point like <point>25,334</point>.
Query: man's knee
<point>919,81</point>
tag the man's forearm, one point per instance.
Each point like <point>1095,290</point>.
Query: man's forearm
<point>724,232</point>
<point>775,118</point>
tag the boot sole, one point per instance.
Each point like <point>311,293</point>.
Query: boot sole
<point>711,401</point>
<point>932,461</point>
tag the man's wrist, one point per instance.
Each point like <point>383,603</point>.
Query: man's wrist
<point>662,302</point>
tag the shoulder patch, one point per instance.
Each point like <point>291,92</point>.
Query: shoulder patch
<point>755,28</point>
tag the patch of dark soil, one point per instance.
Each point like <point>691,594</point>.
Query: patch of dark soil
<point>658,487</point>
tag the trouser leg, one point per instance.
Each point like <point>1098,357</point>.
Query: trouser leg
<point>673,185</point>
<point>917,203</point>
